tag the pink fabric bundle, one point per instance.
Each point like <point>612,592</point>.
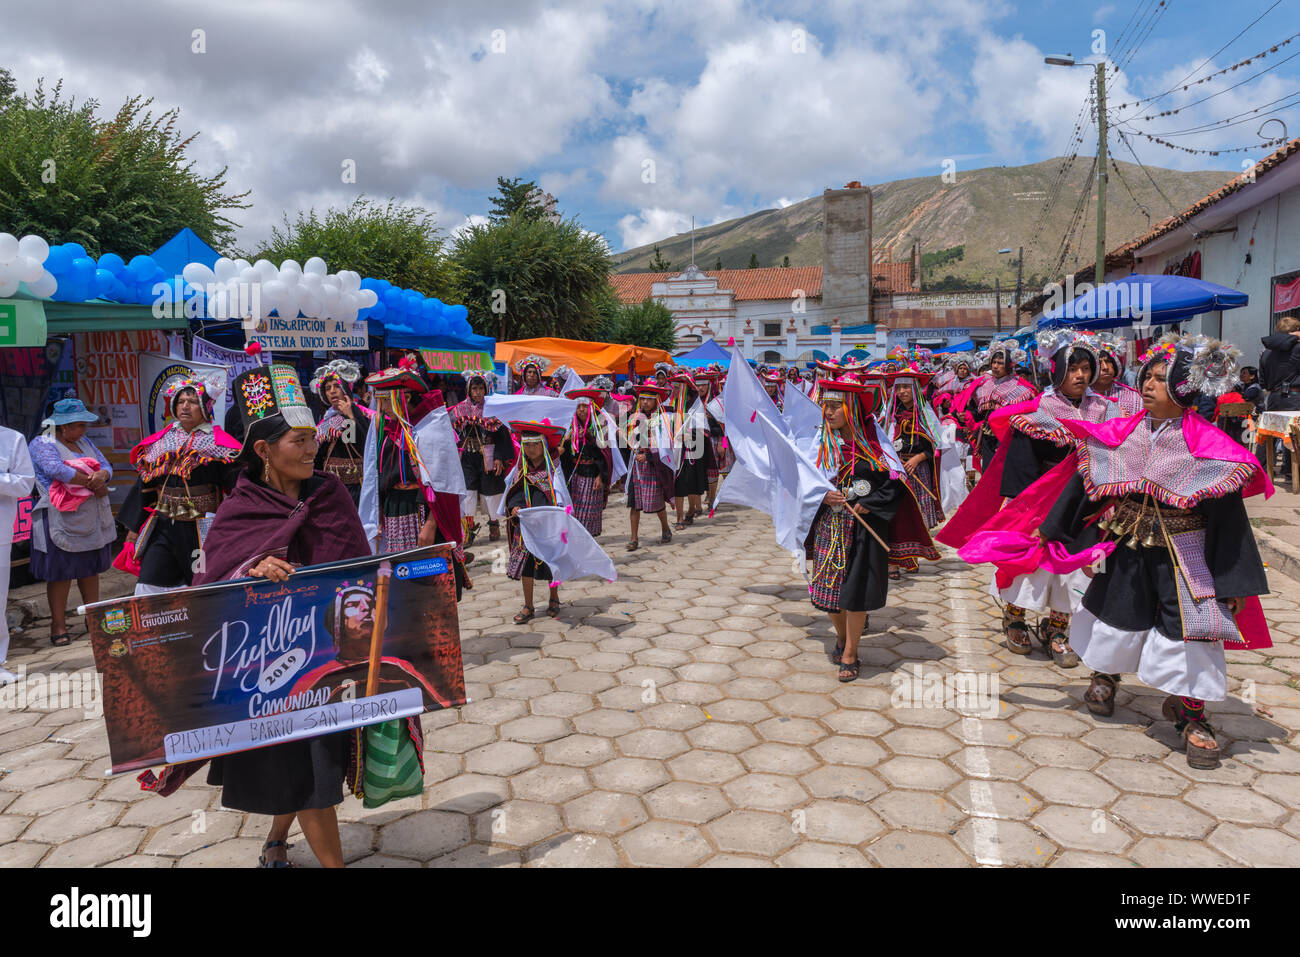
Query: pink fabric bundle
<point>1016,553</point>
<point>67,497</point>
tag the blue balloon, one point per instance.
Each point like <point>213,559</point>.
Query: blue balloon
<point>75,250</point>
<point>141,268</point>
<point>377,312</point>
<point>429,309</point>
<point>461,327</point>
<point>83,270</point>
<point>113,263</point>
<point>59,261</point>
<point>118,291</point>
<point>458,312</point>
<point>392,298</point>
<point>103,283</point>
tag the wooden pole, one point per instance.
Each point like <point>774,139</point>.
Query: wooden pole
<point>377,633</point>
<point>863,522</point>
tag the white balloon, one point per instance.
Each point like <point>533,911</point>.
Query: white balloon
<point>349,280</point>
<point>248,275</point>
<point>290,278</point>
<point>243,264</point>
<point>290,265</point>
<point>330,288</point>
<point>310,304</point>
<point>34,246</point>
<point>315,266</point>
<point>27,269</point>
<point>275,289</point>
<point>368,298</point>
<point>44,287</point>
<point>266,269</point>
<point>198,274</point>
<point>8,249</point>
<point>312,281</point>
<point>225,269</point>
<point>287,307</point>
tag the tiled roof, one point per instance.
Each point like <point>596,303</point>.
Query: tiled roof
<point>773,282</point>
<point>897,277</point>
<point>1123,254</point>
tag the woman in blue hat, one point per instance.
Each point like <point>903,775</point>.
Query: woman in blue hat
<point>77,544</point>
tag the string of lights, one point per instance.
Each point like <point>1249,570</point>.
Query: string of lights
<point>1151,116</point>
<point>1234,120</point>
<point>1157,12</point>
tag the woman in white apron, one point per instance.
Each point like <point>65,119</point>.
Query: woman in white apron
<point>69,545</point>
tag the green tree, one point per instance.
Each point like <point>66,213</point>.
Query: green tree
<point>516,197</point>
<point>785,262</point>
<point>658,263</point>
<point>124,185</point>
<point>647,323</point>
<point>525,278</point>
<point>390,241</point>
<point>718,264</point>
<point>753,260</point>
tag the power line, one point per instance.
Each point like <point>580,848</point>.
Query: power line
<point>1119,42</point>
<point>1148,118</point>
<point>1208,59</point>
<point>1224,123</point>
<point>1174,209</point>
<point>1157,12</point>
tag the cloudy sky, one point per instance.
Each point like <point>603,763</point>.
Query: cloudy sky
<point>638,114</point>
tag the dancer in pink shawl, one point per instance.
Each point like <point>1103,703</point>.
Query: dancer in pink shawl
<point>1183,584</point>
<point>1111,351</point>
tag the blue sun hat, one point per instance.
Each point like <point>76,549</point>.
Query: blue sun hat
<point>70,410</point>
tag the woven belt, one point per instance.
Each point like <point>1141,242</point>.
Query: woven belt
<point>182,506</point>
<point>1140,523</point>
<point>348,470</point>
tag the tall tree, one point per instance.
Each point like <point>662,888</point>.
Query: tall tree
<point>658,263</point>
<point>646,323</point>
<point>392,241</point>
<point>125,184</point>
<point>753,261</point>
<point>785,262</point>
<point>517,197</point>
<point>718,264</point>
<point>525,277</point>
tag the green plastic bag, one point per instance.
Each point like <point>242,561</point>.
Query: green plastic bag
<point>392,768</point>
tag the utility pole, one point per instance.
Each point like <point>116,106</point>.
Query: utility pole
<point>1100,272</point>
<point>1020,278</point>
<point>997,298</point>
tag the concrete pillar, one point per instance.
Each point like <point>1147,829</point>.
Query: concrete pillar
<point>836,349</point>
<point>749,339</point>
<point>791,342</point>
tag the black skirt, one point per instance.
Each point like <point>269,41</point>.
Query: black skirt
<point>284,778</point>
<point>692,479</point>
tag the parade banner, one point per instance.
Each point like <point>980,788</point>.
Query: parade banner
<point>108,381</point>
<point>311,335</point>
<point>157,371</point>
<point>200,672</point>
<point>456,360</point>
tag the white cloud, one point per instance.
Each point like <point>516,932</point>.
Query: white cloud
<point>650,225</point>
<point>469,221</point>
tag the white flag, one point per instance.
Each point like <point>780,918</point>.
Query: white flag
<point>554,536</point>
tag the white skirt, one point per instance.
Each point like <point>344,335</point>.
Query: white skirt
<point>1194,669</point>
<point>1042,591</point>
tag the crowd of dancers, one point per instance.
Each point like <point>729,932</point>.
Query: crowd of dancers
<point>1112,513</point>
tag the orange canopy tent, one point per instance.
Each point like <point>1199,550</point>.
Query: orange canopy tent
<point>585,358</point>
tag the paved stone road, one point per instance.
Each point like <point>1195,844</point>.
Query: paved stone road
<point>689,715</point>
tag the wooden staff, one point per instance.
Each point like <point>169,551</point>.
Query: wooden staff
<point>377,632</point>
<point>863,522</point>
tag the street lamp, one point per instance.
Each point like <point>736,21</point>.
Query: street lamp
<point>1099,273</point>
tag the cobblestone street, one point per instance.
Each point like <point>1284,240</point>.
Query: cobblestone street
<point>689,715</point>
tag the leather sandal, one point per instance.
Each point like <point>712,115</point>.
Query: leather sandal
<point>61,641</point>
<point>1100,696</point>
<point>633,545</point>
<point>837,653</point>
<point>525,615</point>
<point>1017,634</point>
<point>665,538</point>
<point>494,531</point>
<point>1199,757</point>
<point>690,517</point>
<point>263,862</point>
<point>1064,655</point>
<point>679,526</point>
<point>849,670</point>
<point>553,607</point>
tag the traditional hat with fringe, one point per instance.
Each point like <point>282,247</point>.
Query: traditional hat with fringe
<point>344,371</point>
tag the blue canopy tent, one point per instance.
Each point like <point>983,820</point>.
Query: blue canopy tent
<point>182,249</point>
<point>965,345</point>
<point>1143,300</point>
<point>856,355</point>
<point>706,353</point>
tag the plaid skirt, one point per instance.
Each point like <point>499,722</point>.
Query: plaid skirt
<point>922,485</point>
<point>523,565</point>
<point>404,516</point>
<point>830,558</point>
<point>589,504</point>
<point>645,492</point>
